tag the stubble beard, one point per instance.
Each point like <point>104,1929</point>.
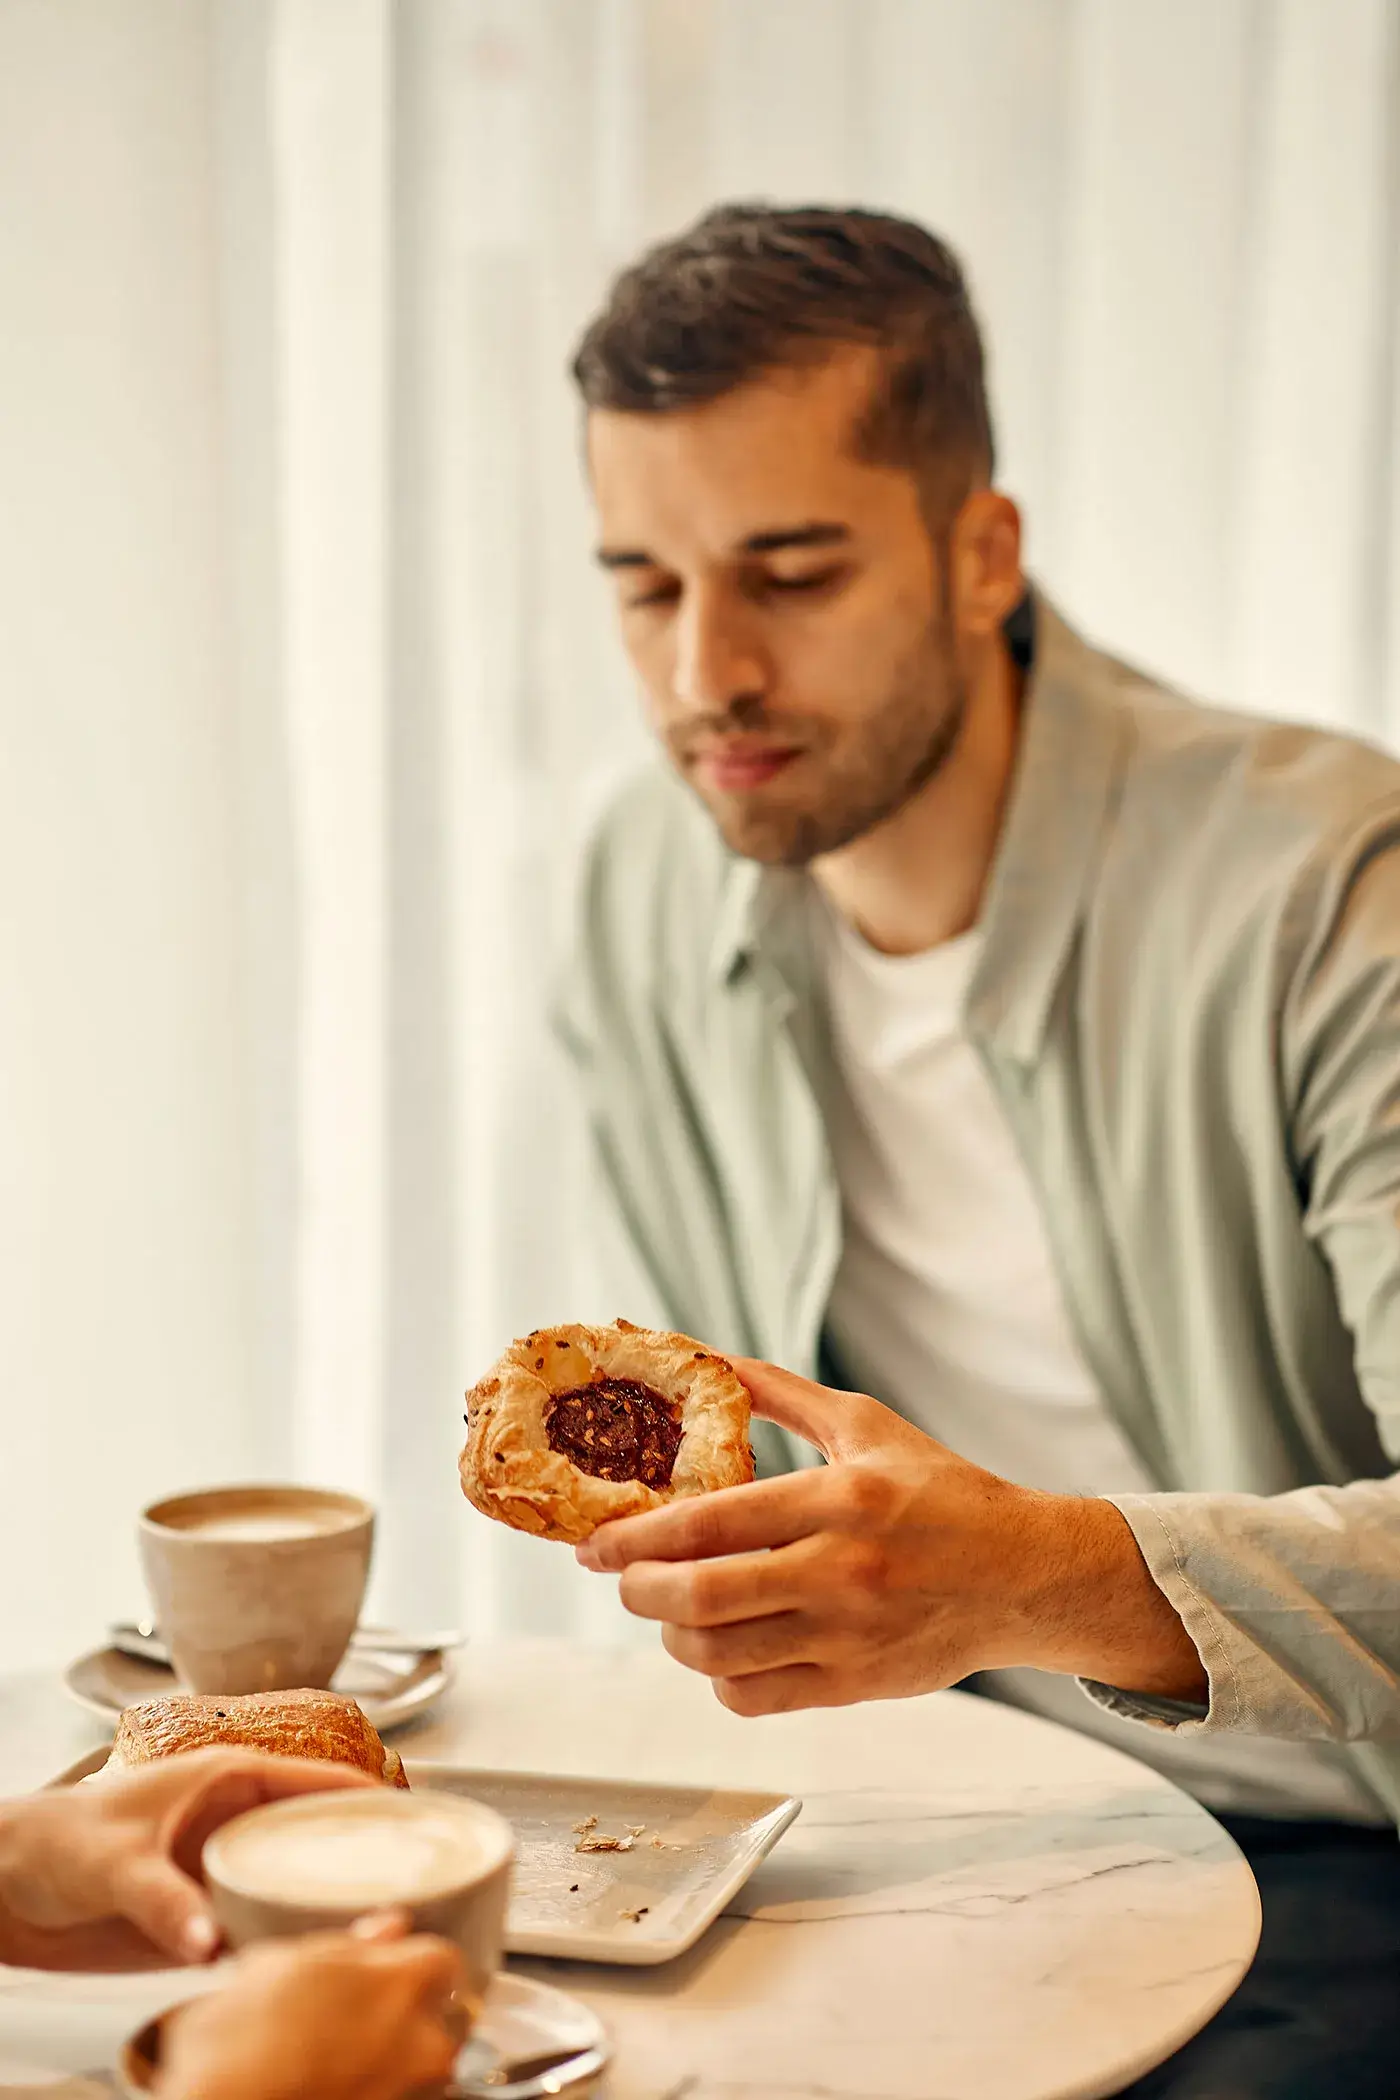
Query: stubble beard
<point>874,774</point>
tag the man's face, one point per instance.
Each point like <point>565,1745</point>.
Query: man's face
<point>783,604</point>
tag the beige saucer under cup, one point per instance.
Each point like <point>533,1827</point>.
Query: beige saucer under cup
<point>319,1862</point>
<point>257,1589</point>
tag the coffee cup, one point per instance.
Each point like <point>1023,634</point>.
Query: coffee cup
<point>257,1589</point>
<point>319,1861</point>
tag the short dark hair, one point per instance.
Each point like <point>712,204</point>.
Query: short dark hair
<point>750,288</point>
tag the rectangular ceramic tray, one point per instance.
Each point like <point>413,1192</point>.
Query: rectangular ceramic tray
<point>691,1850</point>
<point>688,1851</point>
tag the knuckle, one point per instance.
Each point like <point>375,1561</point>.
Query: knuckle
<point>865,1570</point>
<point>678,1593</point>
<point>865,1495</point>
<point>650,1591</point>
<point>701,1592</point>
<point>697,1529</point>
<point>694,1647</point>
<point>742,1695</point>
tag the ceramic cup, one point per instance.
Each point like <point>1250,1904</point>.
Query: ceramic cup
<point>257,1589</point>
<point>320,1861</point>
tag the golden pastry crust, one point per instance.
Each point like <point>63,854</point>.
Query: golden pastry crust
<point>509,1470</point>
<point>318,1725</point>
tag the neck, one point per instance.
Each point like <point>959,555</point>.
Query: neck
<point>918,878</point>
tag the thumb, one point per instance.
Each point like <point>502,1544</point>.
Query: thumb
<point>172,1911</point>
<point>841,1425</point>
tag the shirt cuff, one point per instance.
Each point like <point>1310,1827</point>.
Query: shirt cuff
<point>1223,1707</point>
<point>1173,1714</point>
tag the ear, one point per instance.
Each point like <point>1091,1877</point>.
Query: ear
<point>985,563</point>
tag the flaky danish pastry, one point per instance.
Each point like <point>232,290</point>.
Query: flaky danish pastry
<point>321,1725</point>
<point>575,1426</point>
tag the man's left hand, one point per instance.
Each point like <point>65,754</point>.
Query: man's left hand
<point>896,1568</point>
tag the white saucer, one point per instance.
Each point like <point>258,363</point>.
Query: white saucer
<point>391,1689</point>
<point>524,2019</point>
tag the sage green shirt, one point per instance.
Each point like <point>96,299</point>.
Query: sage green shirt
<point>1188,1004</point>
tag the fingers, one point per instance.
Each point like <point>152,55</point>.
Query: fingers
<point>730,1652</point>
<point>361,2013</point>
<point>277,1778</point>
<point>170,1909</point>
<point>431,1968</point>
<point>379,1960</point>
<point>175,1812</point>
<point>721,1592</point>
<point>259,1775</point>
<point>782,1691</point>
<point>817,1412</point>
<point>704,1527</point>
<point>426,2060</point>
<point>842,1425</point>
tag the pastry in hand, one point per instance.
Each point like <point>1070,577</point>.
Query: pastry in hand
<point>318,1725</point>
<point>575,1426</point>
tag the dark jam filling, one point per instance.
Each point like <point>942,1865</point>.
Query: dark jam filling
<point>616,1429</point>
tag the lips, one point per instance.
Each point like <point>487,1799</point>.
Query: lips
<point>735,769</point>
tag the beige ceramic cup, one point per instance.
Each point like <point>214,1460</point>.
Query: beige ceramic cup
<point>257,1589</point>
<point>318,1862</point>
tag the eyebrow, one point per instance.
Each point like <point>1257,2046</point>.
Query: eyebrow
<point>774,541</point>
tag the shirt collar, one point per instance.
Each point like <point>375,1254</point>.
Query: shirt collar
<point>761,915</point>
<point>738,920</point>
<point>1066,778</point>
<point>1066,782</point>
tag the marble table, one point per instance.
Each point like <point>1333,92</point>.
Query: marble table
<point>974,1904</point>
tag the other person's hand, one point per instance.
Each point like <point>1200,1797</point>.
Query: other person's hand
<point>896,1568</point>
<point>346,2016</point>
<point>105,1875</point>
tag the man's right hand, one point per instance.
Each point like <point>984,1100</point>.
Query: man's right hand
<point>896,1568</point>
<point>347,2016</point>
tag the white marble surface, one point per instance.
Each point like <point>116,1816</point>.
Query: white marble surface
<point>974,1905</point>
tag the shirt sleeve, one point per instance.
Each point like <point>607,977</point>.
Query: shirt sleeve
<point>1293,1600</point>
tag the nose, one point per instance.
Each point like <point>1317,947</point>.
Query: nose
<point>717,659</point>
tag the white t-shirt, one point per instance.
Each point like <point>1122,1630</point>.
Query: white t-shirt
<point>947,1306</point>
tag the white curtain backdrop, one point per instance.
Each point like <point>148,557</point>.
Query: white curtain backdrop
<point>1182,223</point>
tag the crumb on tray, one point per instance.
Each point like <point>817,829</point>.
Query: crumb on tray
<point>603,1843</point>
<point>587,1842</point>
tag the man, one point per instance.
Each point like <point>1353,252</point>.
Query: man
<point>981,1018</point>
<point>106,1877</point>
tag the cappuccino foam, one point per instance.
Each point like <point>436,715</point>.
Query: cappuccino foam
<point>354,1853</point>
<point>260,1529</point>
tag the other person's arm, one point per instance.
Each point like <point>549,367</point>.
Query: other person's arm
<point>105,1875</point>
